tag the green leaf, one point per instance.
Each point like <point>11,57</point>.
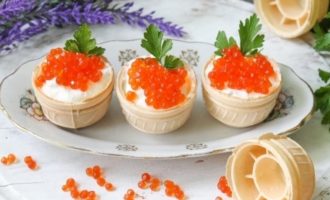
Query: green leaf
<point>222,42</point>
<point>83,42</point>
<point>250,40</point>
<point>172,62</point>
<point>71,45</point>
<point>318,31</point>
<point>153,42</point>
<point>97,51</point>
<point>323,43</point>
<point>324,75</point>
<point>326,118</point>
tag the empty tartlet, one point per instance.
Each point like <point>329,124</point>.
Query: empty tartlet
<point>240,85</point>
<point>74,84</point>
<point>156,92</point>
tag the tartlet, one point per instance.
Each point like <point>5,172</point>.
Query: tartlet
<point>240,85</point>
<point>74,87</point>
<point>156,98</point>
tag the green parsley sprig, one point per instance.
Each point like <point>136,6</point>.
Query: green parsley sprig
<point>322,43</point>
<point>322,96</point>
<point>153,42</point>
<point>250,41</point>
<point>83,42</point>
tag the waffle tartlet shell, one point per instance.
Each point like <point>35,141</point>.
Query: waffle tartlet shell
<point>75,115</point>
<point>234,111</point>
<point>150,120</point>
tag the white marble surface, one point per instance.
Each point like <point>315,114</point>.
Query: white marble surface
<point>198,176</point>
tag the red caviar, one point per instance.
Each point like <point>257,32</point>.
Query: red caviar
<point>162,87</point>
<point>130,195</point>
<point>70,69</point>
<point>96,172</point>
<point>149,181</point>
<point>173,190</point>
<point>9,159</point>
<point>235,71</point>
<point>72,187</point>
<point>224,187</point>
<point>30,162</point>
<point>109,186</point>
<point>131,96</point>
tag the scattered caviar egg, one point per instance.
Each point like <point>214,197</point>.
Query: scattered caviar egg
<point>83,194</point>
<point>65,188</point>
<point>11,158</point>
<point>70,182</point>
<point>70,69</point>
<point>143,185</point>
<point>4,160</point>
<point>146,177</point>
<point>162,87</point>
<point>109,186</point>
<point>224,187</point>
<point>89,171</point>
<point>172,189</point>
<point>155,184</point>
<point>74,193</point>
<point>131,96</point>
<point>130,195</point>
<point>100,181</point>
<point>235,71</point>
<point>30,162</point>
<point>218,198</point>
<point>27,159</point>
<point>91,194</point>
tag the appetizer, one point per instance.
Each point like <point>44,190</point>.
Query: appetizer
<point>74,84</point>
<point>157,91</point>
<point>240,85</point>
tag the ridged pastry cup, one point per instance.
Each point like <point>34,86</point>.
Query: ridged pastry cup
<point>291,18</point>
<point>75,115</point>
<point>234,111</point>
<point>150,120</point>
<point>272,167</point>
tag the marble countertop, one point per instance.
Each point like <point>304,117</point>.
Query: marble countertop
<point>198,176</point>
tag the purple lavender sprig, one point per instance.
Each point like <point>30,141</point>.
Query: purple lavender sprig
<point>143,20</point>
<point>10,9</point>
<point>22,19</point>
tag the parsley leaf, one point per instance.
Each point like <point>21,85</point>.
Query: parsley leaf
<point>222,42</point>
<point>323,43</point>
<point>324,75</point>
<point>153,42</point>
<point>250,40</point>
<point>172,62</point>
<point>83,42</point>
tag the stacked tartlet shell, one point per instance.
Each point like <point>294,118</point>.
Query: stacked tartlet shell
<point>291,18</point>
<point>75,115</point>
<point>155,121</point>
<point>272,167</point>
<point>235,111</point>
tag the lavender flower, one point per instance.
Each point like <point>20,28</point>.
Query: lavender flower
<point>11,8</point>
<point>22,19</point>
<point>78,14</point>
<point>21,32</point>
<point>138,18</point>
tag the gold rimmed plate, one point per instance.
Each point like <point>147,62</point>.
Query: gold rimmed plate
<point>200,136</point>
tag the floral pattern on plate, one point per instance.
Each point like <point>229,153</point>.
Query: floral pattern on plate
<point>29,103</point>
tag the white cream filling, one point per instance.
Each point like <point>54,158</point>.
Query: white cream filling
<point>275,81</point>
<point>140,100</point>
<point>68,95</point>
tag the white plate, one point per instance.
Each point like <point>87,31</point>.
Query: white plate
<point>201,135</point>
